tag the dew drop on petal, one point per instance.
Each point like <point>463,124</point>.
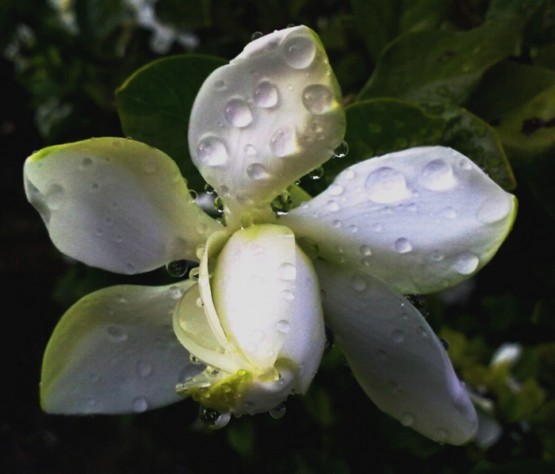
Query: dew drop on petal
<point>144,369</point>
<point>317,99</point>
<point>283,326</point>
<point>299,51</point>
<point>212,151</point>
<point>140,404</point>
<point>386,185</point>
<point>257,172</point>
<point>86,162</point>
<point>402,245</point>
<point>250,150</point>
<point>359,283</point>
<point>466,263</point>
<point>335,190</point>
<point>494,210</point>
<point>266,95</point>
<point>341,151</point>
<point>175,292</point>
<point>116,333</point>
<point>177,268</point>
<point>238,113</point>
<point>438,175</point>
<point>365,250</point>
<point>287,271</point>
<point>55,196</point>
<point>278,411</point>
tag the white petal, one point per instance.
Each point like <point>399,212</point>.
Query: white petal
<point>395,355</point>
<point>422,219</point>
<point>267,298</point>
<point>114,351</point>
<point>116,204</point>
<point>270,116</point>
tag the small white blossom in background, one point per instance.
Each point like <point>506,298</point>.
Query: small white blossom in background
<point>246,329</point>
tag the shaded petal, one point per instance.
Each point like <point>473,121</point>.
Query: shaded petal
<point>395,355</point>
<point>266,295</point>
<point>421,219</point>
<point>115,204</point>
<point>114,351</point>
<point>269,117</point>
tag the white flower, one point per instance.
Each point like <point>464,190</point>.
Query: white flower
<point>414,221</point>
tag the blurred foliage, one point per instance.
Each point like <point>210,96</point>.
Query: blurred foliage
<point>477,75</point>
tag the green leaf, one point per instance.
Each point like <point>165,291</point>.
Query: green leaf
<point>155,103</point>
<point>432,66</point>
<point>381,21</point>
<point>528,132</point>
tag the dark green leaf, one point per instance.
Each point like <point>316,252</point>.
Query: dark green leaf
<point>155,103</point>
<point>432,66</point>
<point>180,14</point>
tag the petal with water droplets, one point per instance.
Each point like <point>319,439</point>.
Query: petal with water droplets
<point>115,204</point>
<point>114,351</point>
<point>266,119</point>
<point>421,219</point>
<point>395,355</point>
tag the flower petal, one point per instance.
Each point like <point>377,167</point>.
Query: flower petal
<point>114,351</point>
<point>266,295</point>
<point>269,117</point>
<point>116,204</point>
<point>395,355</point>
<point>422,219</point>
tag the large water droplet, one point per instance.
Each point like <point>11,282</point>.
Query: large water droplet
<point>287,271</point>
<point>214,419</point>
<point>55,196</point>
<point>386,185</point>
<point>238,113</point>
<point>402,245</point>
<point>140,404</point>
<point>282,142</point>
<point>177,268</point>
<point>278,411</point>
<point>317,98</point>
<point>116,333</point>
<point>438,175</point>
<point>494,209</point>
<point>212,151</point>
<point>341,151</point>
<point>266,95</point>
<point>466,263</point>
<point>257,172</point>
<point>299,51</point>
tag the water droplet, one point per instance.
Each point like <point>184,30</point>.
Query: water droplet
<point>337,224</point>
<point>194,273</point>
<point>299,51</point>
<point>266,95</point>
<point>407,419</point>
<point>397,336</point>
<point>466,263</point>
<point>86,162</point>
<point>283,326</point>
<point>494,209</point>
<point>257,172</point>
<point>175,292</point>
<point>436,256</point>
<point>177,268</point>
<point>402,245</point>
<point>220,84</point>
<point>212,151</point>
<point>332,206</point>
<point>256,35</point>
<point>386,185</point>
<point>335,189</point>
<point>359,283</point>
<point>55,196</point>
<point>365,250</point>
<point>353,228</point>
<point>140,404</point>
<point>194,360</point>
<point>282,142</point>
<point>288,295</point>
<point>214,419</point>
<point>438,175</point>
<point>287,271</point>
<point>116,333</point>
<point>144,369</point>
<point>341,151</point>
<point>377,227</point>
<point>316,174</point>
<point>149,166</point>
<point>278,411</point>
<point>317,98</point>
<point>238,113</point>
